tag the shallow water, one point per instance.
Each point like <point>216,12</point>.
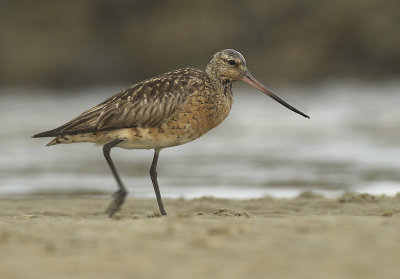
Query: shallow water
<point>351,143</point>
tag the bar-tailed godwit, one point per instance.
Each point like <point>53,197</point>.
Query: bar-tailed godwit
<point>167,110</point>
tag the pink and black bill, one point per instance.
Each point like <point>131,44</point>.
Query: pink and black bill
<point>248,78</point>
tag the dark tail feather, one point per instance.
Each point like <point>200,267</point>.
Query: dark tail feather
<point>51,133</point>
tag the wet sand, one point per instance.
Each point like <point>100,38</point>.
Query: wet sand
<point>354,236</point>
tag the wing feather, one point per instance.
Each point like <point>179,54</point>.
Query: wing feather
<point>146,104</point>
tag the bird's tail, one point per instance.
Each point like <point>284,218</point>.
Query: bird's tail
<point>50,133</point>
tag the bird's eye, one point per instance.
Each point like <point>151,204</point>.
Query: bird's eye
<point>232,62</point>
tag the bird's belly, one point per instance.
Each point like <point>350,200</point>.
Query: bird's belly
<point>154,138</point>
<point>179,131</point>
<point>138,138</point>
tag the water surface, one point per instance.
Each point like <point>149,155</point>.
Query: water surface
<point>351,143</point>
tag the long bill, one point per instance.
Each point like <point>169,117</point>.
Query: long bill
<point>253,82</point>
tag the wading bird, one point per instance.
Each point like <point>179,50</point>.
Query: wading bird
<point>164,111</point>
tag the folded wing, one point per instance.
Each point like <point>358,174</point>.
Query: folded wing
<point>146,104</point>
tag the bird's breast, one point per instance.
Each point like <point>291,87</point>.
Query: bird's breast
<point>201,112</point>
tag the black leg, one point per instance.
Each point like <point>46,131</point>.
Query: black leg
<point>153,175</point>
<point>120,195</point>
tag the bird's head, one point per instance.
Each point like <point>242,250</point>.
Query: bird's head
<point>229,65</point>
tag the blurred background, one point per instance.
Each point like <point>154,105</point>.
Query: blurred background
<point>338,61</point>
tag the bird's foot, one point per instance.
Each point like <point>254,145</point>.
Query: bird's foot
<point>119,198</point>
<point>163,212</point>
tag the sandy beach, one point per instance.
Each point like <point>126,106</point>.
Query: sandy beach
<point>353,236</point>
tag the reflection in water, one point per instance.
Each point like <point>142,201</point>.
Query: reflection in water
<point>351,143</point>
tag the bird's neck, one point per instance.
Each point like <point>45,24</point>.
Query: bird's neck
<point>221,85</point>
<point>227,87</point>
<point>220,97</point>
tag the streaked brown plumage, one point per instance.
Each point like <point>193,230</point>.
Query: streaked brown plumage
<point>167,110</point>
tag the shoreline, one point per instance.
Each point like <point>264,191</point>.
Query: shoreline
<point>310,236</point>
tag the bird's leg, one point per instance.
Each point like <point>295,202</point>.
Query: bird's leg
<point>120,195</point>
<point>153,175</point>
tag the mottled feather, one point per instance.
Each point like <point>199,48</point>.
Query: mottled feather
<point>145,104</point>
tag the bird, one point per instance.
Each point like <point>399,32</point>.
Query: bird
<point>167,110</point>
